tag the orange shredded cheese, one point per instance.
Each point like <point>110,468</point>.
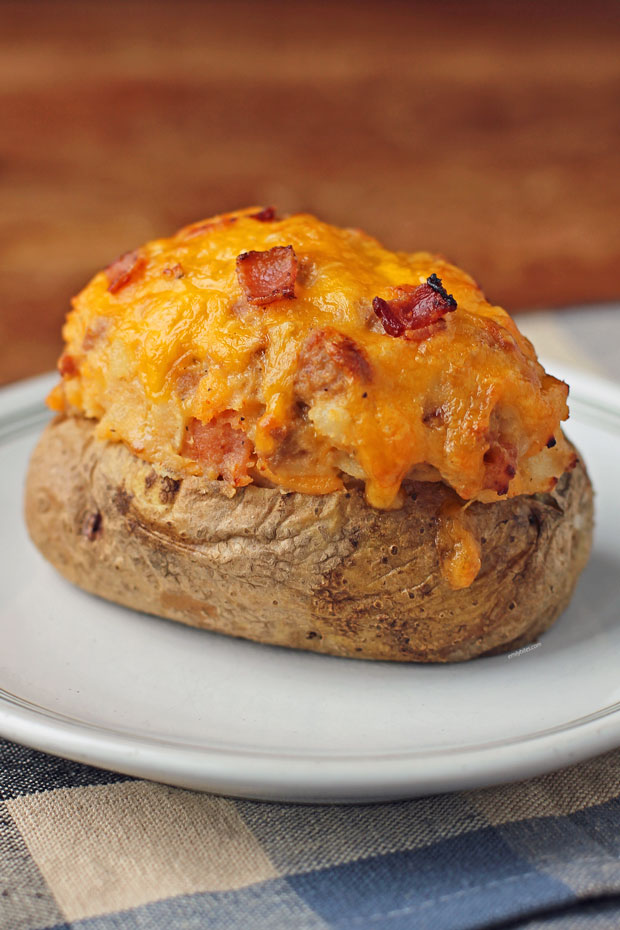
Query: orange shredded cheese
<point>169,336</point>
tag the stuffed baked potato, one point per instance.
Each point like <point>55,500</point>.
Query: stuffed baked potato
<point>279,430</point>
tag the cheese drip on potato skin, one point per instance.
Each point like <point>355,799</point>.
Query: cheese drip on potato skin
<point>292,353</point>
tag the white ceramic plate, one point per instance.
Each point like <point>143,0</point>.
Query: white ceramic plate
<point>105,685</point>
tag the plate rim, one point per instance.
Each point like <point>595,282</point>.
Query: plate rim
<point>298,777</point>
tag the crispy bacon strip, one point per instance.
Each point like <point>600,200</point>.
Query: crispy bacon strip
<point>125,270</point>
<point>414,307</point>
<point>264,216</point>
<point>268,276</point>
<point>221,447</point>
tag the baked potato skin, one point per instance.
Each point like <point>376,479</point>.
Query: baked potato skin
<point>325,573</point>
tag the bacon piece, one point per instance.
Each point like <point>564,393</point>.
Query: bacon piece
<point>264,216</point>
<point>268,276</point>
<point>328,361</point>
<point>125,270</point>
<point>414,307</point>
<point>67,366</point>
<point>221,447</point>
<point>348,356</point>
<point>500,466</point>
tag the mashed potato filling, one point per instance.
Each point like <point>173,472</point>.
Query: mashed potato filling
<point>293,353</point>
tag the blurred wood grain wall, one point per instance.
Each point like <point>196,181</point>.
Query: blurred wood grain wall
<point>486,131</point>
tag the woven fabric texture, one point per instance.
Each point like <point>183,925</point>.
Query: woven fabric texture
<point>82,848</point>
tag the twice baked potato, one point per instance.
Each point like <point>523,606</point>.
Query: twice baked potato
<point>279,430</point>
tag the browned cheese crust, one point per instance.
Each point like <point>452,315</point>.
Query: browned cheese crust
<point>326,573</point>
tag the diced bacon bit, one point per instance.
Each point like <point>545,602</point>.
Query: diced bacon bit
<point>500,466</point>
<point>327,360</point>
<point>221,447</point>
<point>264,216</point>
<point>348,355</point>
<point>67,366</point>
<point>175,272</point>
<point>268,276</point>
<point>125,270</point>
<point>414,307</point>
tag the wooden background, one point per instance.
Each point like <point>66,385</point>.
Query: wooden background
<point>487,131</point>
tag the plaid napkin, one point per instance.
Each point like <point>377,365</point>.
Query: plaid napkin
<point>84,848</point>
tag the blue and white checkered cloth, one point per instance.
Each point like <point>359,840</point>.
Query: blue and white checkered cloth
<point>82,848</point>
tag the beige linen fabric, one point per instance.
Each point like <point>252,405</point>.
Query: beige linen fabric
<point>108,847</point>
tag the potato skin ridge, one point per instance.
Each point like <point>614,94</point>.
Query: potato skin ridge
<point>326,573</point>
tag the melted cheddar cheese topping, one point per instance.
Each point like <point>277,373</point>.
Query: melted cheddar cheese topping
<point>302,385</point>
